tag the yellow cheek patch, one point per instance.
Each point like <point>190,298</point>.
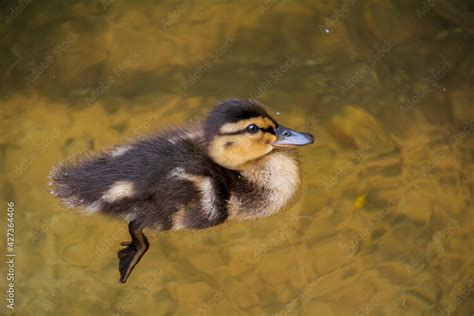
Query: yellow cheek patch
<point>233,151</point>
<point>260,121</point>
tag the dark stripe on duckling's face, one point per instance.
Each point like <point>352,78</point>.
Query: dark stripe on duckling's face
<point>249,126</point>
<point>251,129</point>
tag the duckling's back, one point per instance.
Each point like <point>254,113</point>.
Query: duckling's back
<point>149,181</point>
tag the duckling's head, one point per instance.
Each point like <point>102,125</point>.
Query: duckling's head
<point>240,131</point>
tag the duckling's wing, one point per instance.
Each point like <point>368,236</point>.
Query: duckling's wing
<point>125,173</point>
<point>90,181</point>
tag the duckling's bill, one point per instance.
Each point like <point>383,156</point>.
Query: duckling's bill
<point>286,137</point>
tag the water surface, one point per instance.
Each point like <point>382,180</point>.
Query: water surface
<point>383,224</point>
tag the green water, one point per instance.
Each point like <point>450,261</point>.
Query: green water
<point>383,224</point>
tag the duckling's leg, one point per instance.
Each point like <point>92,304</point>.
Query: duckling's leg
<point>131,255</point>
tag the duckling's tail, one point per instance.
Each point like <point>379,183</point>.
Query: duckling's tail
<point>72,185</point>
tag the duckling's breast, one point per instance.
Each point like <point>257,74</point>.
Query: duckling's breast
<point>265,187</point>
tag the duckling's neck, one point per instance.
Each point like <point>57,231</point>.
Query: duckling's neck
<point>265,186</point>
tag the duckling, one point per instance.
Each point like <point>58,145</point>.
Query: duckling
<point>238,163</point>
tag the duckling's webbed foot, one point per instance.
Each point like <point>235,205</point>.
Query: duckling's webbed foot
<point>133,252</point>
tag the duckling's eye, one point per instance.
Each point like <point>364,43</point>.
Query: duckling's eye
<point>252,128</point>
